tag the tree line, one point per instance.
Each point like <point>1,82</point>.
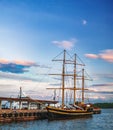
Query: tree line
<point>103,105</point>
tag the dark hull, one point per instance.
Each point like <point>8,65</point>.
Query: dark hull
<point>97,111</point>
<point>56,114</point>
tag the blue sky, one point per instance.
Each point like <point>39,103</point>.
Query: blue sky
<point>32,32</point>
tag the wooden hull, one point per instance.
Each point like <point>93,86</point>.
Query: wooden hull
<point>59,113</point>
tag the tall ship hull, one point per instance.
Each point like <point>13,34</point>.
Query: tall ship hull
<point>59,113</point>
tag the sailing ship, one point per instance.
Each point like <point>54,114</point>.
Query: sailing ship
<point>71,110</point>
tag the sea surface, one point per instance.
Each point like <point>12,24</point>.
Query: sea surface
<point>103,121</point>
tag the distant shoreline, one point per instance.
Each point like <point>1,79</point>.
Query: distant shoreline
<point>103,105</point>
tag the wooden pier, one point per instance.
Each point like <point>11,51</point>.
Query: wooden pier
<point>23,113</point>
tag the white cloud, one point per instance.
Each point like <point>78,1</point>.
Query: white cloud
<point>17,77</point>
<point>33,89</point>
<point>65,44</point>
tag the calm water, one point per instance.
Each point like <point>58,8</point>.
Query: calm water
<point>103,121</point>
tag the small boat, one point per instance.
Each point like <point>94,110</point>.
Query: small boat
<point>96,110</point>
<point>72,110</point>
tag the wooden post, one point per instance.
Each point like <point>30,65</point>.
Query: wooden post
<point>20,104</point>
<point>11,104</point>
<point>28,105</point>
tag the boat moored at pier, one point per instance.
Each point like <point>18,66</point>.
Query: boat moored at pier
<point>69,111</point>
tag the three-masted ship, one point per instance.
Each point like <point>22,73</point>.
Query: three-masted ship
<point>72,110</point>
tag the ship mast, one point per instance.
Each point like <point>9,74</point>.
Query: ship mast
<point>83,85</point>
<point>74,75</point>
<point>74,78</point>
<point>63,78</point>
<point>83,80</point>
<point>63,75</point>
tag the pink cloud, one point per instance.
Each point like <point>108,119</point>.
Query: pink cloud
<point>18,62</point>
<point>92,56</point>
<point>106,55</point>
<point>65,44</point>
<point>17,66</point>
<point>4,61</point>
